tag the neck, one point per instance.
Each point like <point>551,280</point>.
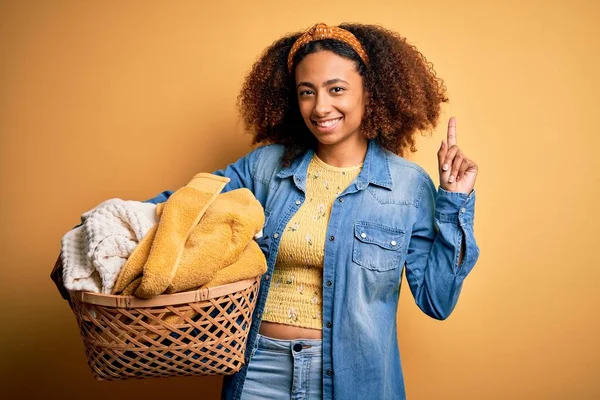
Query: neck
<point>345,154</point>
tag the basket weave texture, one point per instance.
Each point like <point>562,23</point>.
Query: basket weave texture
<point>202,332</point>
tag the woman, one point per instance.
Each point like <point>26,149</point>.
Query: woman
<point>335,107</point>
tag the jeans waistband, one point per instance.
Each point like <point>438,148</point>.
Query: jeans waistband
<point>287,346</point>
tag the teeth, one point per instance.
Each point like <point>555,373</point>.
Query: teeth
<point>327,124</point>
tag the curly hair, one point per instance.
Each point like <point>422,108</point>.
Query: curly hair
<point>404,94</point>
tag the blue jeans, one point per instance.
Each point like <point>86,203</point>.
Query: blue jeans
<point>285,369</point>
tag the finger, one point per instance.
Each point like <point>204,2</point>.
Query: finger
<point>442,153</point>
<point>463,168</point>
<point>473,168</point>
<point>452,132</point>
<point>458,159</point>
<point>448,159</point>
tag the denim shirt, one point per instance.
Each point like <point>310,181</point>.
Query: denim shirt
<point>389,218</point>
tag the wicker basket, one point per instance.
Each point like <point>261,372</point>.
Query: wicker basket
<point>202,332</point>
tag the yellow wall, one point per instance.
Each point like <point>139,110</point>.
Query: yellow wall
<point>102,99</point>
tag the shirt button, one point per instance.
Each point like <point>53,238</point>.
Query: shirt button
<point>276,235</point>
<point>267,277</point>
<point>259,315</point>
<point>393,243</point>
<point>329,372</point>
<point>298,202</point>
<point>363,235</point>
<point>463,210</point>
<point>329,283</point>
<point>329,325</point>
<point>341,200</point>
<point>332,238</point>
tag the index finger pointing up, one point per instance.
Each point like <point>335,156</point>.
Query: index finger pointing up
<point>452,132</point>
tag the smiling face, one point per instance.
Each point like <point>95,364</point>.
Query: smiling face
<point>332,101</point>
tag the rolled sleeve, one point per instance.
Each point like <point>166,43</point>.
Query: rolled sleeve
<point>453,206</point>
<point>458,210</point>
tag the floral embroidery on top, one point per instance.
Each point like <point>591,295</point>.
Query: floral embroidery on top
<point>308,239</point>
<point>315,298</point>
<point>320,212</point>
<point>292,314</point>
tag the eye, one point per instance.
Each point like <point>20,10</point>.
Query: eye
<point>304,93</point>
<point>337,89</point>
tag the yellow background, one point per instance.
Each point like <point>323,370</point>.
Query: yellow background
<point>103,99</point>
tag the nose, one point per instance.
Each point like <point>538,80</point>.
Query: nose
<point>322,106</point>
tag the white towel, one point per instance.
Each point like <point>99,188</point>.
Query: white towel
<point>94,253</point>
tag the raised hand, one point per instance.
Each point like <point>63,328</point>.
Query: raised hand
<point>457,172</point>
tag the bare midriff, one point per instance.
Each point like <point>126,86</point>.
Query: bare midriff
<point>288,332</point>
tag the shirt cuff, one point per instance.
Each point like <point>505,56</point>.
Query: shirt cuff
<point>455,206</point>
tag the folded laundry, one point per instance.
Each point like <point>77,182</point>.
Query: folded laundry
<point>249,265</point>
<point>202,239</point>
<point>220,240</point>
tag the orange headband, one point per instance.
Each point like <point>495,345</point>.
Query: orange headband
<point>321,31</point>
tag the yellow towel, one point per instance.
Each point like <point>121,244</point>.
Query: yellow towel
<point>159,252</point>
<point>132,287</point>
<point>180,216</point>
<point>203,239</point>
<point>221,236</point>
<point>250,264</point>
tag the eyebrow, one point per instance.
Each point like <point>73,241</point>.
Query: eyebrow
<point>326,83</point>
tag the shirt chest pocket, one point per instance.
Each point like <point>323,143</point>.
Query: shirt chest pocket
<point>376,246</point>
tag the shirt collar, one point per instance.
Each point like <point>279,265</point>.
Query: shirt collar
<point>375,170</point>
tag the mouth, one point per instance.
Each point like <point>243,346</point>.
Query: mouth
<point>327,125</point>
